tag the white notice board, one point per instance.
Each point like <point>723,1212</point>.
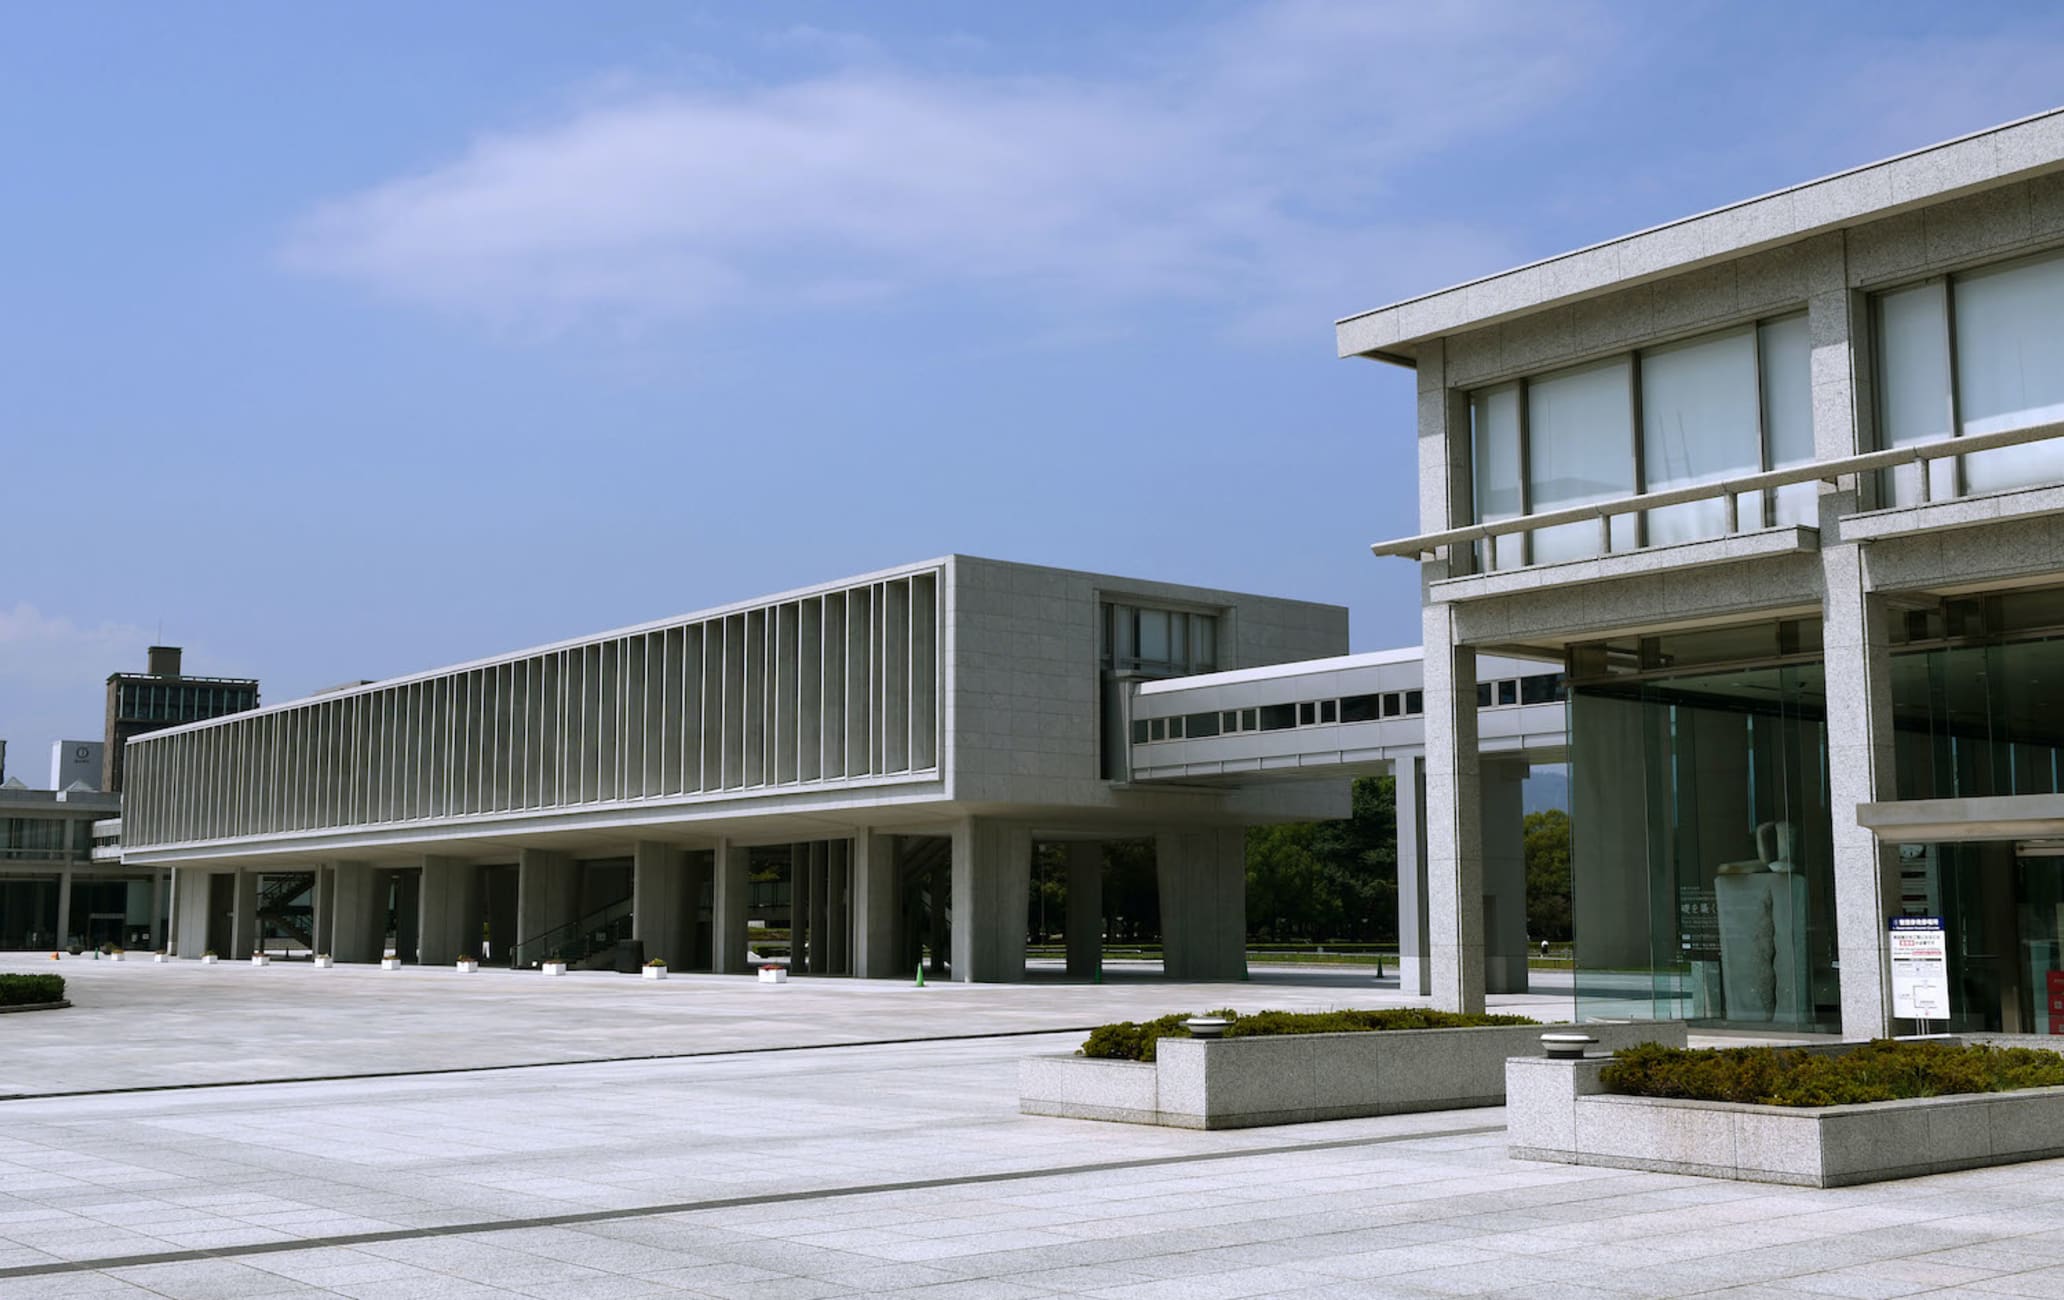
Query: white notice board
<point>1920,967</point>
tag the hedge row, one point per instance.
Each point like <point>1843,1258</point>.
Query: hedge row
<point>1130,1040</point>
<point>1881,1070</point>
<point>30,990</point>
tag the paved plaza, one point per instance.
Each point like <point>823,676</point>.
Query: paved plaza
<point>748,1154</point>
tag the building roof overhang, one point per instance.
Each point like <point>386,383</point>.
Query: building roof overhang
<point>1984,159</point>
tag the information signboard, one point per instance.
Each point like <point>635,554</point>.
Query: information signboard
<point>1920,968</point>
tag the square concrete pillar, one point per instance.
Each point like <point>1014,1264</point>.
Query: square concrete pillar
<point>1202,876</point>
<point>64,907</point>
<point>729,907</point>
<point>661,916</point>
<point>190,900</point>
<point>243,926</point>
<point>1409,777</point>
<point>1454,831</point>
<point>448,911</point>
<point>992,884</point>
<point>1861,769</point>
<point>874,907</point>
<point>839,930</point>
<point>357,929</point>
<point>1085,919</point>
<point>1502,810</point>
<point>547,899</point>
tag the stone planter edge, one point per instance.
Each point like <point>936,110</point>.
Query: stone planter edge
<point>1300,1078</point>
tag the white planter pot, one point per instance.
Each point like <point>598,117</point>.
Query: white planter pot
<point>158,957</point>
<point>773,974</point>
<point>467,967</point>
<point>260,959</point>
<point>655,972</point>
<point>114,956</point>
<point>553,968</point>
<point>323,963</point>
<point>209,959</point>
<point>390,963</point>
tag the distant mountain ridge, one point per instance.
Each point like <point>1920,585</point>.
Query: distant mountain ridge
<point>1545,788</point>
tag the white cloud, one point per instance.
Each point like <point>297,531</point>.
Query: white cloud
<point>1233,169</point>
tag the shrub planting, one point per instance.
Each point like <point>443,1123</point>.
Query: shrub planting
<point>1881,1070</point>
<point>30,990</point>
<point>1130,1040</point>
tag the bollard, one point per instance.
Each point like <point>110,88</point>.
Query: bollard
<point>920,974</point>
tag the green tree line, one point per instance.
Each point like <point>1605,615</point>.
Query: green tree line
<point>1308,882</point>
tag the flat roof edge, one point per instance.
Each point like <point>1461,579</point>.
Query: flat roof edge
<point>2026,146</point>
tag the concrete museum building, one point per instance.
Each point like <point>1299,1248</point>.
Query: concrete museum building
<point>1781,487</point>
<point>1756,519</point>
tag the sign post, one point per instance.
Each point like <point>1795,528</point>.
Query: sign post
<point>1920,968</point>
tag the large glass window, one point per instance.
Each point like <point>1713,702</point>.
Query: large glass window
<point>1785,349</point>
<point>1702,846</point>
<point>2010,368</point>
<point>1698,425</point>
<point>1981,352</point>
<point>1715,407</point>
<point>1579,424</point>
<point>1495,450</point>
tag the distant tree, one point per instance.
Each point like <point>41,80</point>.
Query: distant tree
<point>1548,874</point>
<point>1328,880</point>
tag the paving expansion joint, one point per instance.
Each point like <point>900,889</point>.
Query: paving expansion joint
<point>534,1065</point>
<point>719,1203</point>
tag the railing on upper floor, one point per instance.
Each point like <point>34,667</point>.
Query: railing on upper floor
<point>1429,545</point>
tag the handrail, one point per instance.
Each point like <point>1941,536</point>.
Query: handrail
<point>1426,545</point>
<point>583,928</point>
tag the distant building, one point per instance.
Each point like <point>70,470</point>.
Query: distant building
<point>139,703</point>
<point>55,891</point>
<point>76,763</point>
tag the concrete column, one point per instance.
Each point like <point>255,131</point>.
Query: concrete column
<point>243,930</point>
<point>64,907</point>
<point>728,908</point>
<point>1202,876</point>
<point>1085,919</point>
<point>1503,828</point>
<point>1454,838</point>
<point>838,935</point>
<point>356,926</point>
<point>547,897</point>
<point>448,911</point>
<point>992,883</point>
<point>1410,778</point>
<point>660,907</point>
<point>874,907</point>
<point>1861,769</point>
<point>190,901</point>
<point>820,908</point>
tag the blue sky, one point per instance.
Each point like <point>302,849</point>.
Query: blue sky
<point>343,341</point>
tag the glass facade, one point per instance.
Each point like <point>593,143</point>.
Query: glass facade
<point>1980,352</point>
<point>1702,847</point>
<point>1978,706</point>
<point>1711,408</point>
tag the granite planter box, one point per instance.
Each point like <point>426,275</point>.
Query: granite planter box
<point>1559,1111</point>
<point>1298,1078</point>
